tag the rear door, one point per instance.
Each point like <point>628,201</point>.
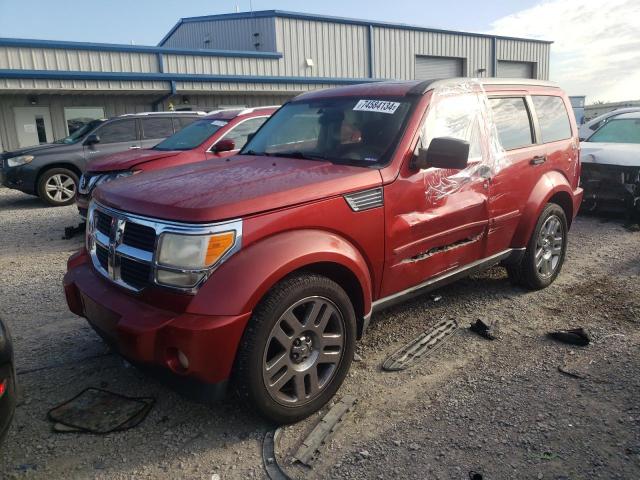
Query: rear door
<point>115,136</point>
<point>155,129</point>
<point>511,185</point>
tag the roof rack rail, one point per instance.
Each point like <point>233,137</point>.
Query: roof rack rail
<point>180,112</point>
<point>253,109</point>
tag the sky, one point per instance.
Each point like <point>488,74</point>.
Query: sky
<point>595,52</point>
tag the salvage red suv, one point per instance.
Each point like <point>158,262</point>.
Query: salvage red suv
<point>218,135</point>
<point>264,270</point>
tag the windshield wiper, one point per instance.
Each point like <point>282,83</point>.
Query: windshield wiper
<point>258,154</point>
<point>301,155</point>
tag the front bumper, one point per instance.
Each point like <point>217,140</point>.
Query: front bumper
<point>82,202</point>
<point>21,178</point>
<point>152,336</point>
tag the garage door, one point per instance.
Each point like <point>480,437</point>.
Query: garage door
<point>428,68</point>
<point>515,69</point>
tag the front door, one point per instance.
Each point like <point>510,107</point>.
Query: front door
<point>33,126</point>
<point>115,136</point>
<point>436,219</point>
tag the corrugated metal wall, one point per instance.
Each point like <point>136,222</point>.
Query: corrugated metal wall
<point>76,60</point>
<point>523,51</point>
<point>226,35</point>
<point>221,65</point>
<point>337,49</point>
<point>395,51</point>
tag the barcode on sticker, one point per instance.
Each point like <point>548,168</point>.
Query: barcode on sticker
<point>379,106</point>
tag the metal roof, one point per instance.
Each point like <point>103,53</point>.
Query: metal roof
<point>333,19</point>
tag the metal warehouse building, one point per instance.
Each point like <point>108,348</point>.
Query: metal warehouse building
<point>48,88</point>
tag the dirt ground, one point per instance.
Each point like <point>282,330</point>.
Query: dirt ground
<point>501,408</point>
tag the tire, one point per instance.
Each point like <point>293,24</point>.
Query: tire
<point>294,348</point>
<point>545,253</point>
<point>57,187</point>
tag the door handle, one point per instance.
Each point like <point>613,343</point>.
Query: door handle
<point>539,160</point>
<point>134,147</point>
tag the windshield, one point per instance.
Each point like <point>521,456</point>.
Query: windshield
<point>191,136</point>
<point>80,133</point>
<point>618,131</point>
<point>357,131</point>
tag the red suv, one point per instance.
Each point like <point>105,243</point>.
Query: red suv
<point>265,269</point>
<point>219,134</point>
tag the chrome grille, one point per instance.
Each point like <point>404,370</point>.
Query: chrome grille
<point>365,200</point>
<point>123,246</point>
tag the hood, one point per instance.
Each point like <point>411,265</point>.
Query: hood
<point>45,148</point>
<point>127,159</point>
<point>620,154</point>
<point>213,190</point>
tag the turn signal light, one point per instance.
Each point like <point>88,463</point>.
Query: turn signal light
<point>218,246</point>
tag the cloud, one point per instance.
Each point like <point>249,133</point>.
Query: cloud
<point>596,49</point>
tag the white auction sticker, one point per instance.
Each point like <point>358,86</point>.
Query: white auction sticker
<point>218,123</point>
<point>379,106</point>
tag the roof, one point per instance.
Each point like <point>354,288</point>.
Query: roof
<point>231,113</point>
<point>332,19</point>
<point>627,116</point>
<point>396,88</point>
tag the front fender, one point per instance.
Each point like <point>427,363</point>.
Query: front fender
<point>549,184</point>
<point>239,284</point>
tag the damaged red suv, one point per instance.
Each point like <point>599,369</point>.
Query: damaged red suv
<point>263,271</point>
<point>218,135</point>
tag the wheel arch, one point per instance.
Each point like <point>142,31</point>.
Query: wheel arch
<point>50,166</point>
<point>252,272</point>
<point>551,187</point>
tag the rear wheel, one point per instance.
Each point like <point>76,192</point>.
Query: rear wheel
<point>58,186</point>
<point>544,256</point>
<point>297,348</point>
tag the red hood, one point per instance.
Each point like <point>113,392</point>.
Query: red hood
<point>127,159</point>
<point>212,190</point>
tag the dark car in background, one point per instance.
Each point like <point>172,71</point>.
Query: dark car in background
<point>220,134</point>
<point>52,171</point>
<point>7,381</point>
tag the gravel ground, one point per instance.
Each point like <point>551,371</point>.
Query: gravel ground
<point>501,408</point>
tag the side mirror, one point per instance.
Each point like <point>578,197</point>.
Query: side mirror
<point>443,152</point>
<point>92,139</point>
<point>224,145</point>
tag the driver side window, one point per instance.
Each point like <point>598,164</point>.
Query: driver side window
<point>456,116</point>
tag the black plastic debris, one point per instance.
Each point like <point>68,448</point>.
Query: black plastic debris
<point>99,411</point>
<point>576,336</point>
<point>473,475</point>
<point>488,331</point>
<point>274,471</point>
<point>70,232</point>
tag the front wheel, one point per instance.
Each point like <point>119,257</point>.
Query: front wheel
<point>297,348</point>
<point>544,256</point>
<point>58,186</point>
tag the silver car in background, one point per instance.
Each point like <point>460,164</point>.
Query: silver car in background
<point>610,160</point>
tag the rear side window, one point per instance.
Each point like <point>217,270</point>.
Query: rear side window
<point>240,133</point>
<point>553,118</point>
<point>512,121</point>
<point>618,131</point>
<point>157,127</point>
<point>118,131</point>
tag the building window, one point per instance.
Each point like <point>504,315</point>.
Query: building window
<point>76,117</point>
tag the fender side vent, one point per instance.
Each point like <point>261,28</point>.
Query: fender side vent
<point>365,200</point>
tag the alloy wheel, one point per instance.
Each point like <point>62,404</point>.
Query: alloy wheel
<point>549,246</point>
<point>60,188</point>
<point>303,351</point>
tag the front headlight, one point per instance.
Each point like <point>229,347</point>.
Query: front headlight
<point>20,160</point>
<point>184,260</point>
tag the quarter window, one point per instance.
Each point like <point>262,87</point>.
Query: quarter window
<point>553,118</point>
<point>240,134</point>
<point>118,131</point>
<point>157,127</point>
<point>511,118</point>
